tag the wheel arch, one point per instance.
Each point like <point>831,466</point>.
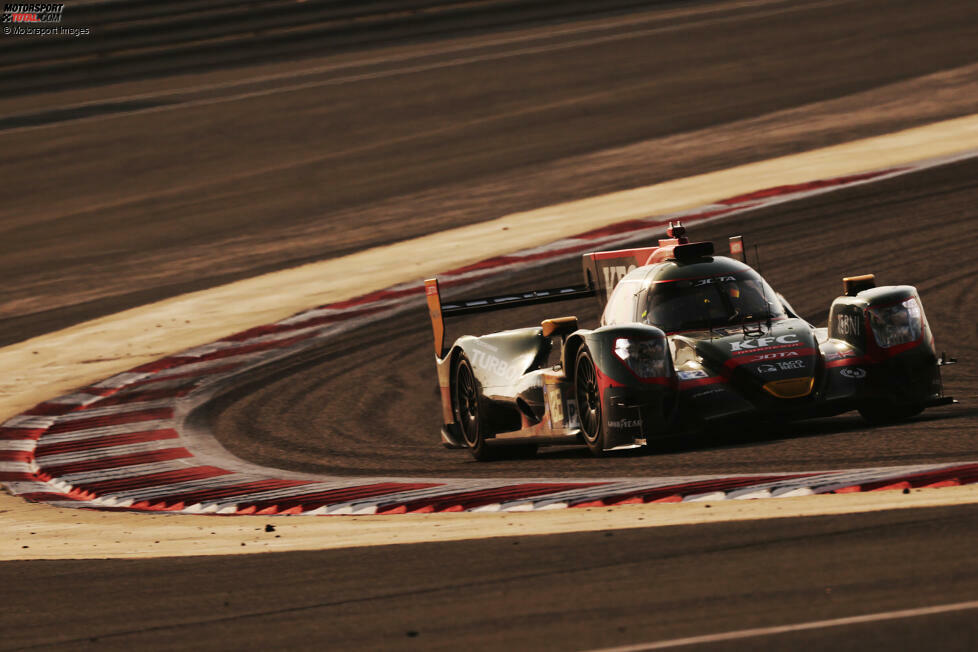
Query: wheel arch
<point>572,345</point>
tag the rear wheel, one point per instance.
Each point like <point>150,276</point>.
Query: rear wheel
<point>588,396</point>
<point>469,409</point>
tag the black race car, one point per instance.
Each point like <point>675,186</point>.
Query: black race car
<point>687,339</point>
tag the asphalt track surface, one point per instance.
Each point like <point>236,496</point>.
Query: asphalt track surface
<point>368,403</point>
<point>199,179</point>
<point>568,592</point>
<point>140,206</point>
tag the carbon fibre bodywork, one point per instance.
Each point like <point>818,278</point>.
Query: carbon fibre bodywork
<point>640,375</point>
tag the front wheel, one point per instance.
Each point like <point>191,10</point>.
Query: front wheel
<point>469,409</point>
<point>588,396</point>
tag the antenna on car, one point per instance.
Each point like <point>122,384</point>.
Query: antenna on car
<point>677,231</point>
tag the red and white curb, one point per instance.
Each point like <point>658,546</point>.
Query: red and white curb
<point>122,444</point>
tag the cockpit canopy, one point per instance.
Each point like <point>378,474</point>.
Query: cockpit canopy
<point>695,302</point>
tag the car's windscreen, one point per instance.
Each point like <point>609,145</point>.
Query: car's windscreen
<point>711,302</point>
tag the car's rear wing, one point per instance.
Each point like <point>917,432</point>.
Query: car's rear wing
<point>438,310</point>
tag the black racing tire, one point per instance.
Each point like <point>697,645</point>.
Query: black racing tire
<point>588,395</point>
<point>469,409</point>
<point>883,412</point>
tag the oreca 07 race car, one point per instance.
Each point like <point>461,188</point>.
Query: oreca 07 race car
<point>688,340</point>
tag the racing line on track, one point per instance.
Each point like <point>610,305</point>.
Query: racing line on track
<point>123,444</point>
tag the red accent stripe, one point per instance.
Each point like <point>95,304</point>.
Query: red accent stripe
<point>99,391</point>
<point>191,376</point>
<point>846,362</point>
<point>271,329</point>
<point>52,409</point>
<point>672,498</point>
<point>315,500</point>
<point>669,493</point>
<point>112,420</point>
<point>605,381</point>
<point>126,397</point>
<point>249,348</point>
<point>964,474</point>
<point>471,499</point>
<point>379,295</point>
<point>159,365</point>
<point>883,354</point>
<point>895,485</point>
<point>16,456</point>
<point>811,185</point>
<point>953,482</point>
<point>216,493</point>
<point>760,357</point>
<point>16,476</point>
<point>699,382</point>
<point>152,479</point>
<point>103,442</point>
<point>120,461</point>
<point>641,252</point>
<point>20,434</point>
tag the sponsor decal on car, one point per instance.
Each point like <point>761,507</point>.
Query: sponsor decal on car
<point>707,392</point>
<point>848,324</point>
<point>691,374</point>
<point>625,424</point>
<point>773,355</point>
<point>783,365</point>
<point>484,359</point>
<point>853,372</point>
<point>556,406</point>
<point>764,342</point>
<point>713,279</point>
<point>613,274</point>
<point>840,355</point>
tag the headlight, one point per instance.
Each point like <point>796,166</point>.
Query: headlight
<point>896,324</point>
<point>646,358</point>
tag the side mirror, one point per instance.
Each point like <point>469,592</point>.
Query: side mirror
<point>561,326</point>
<point>853,285</point>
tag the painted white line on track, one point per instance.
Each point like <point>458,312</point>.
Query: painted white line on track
<point>798,627</point>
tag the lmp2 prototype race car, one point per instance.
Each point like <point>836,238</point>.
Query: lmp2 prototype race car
<point>688,340</point>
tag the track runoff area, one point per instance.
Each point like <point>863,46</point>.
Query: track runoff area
<point>123,443</point>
